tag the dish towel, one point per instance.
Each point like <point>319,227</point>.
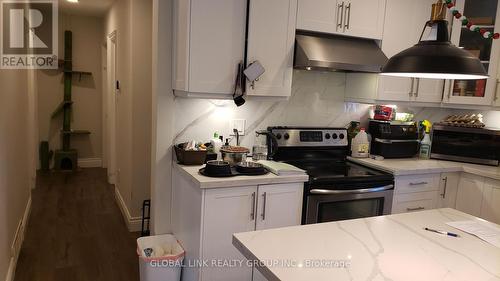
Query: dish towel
<point>281,169</point>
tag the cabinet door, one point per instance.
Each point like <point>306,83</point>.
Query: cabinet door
<point>490,209</point>
<point>319,15</point>
<point>470,194</point>
<point>364,18</point>
<point>401,31</point>
<point>217,44</point>
<point>476,92</point>
<point>413,202</point>
<point>429,90</point>
<point>227,211</point>
<point>271,41</point>
<point>279,205</point>
<point>448,190</point>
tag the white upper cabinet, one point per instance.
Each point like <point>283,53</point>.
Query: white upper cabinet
<point>477,92</point>
<point>271,39</point>
<point>402,30</point>
<point>209,42</point>
<point>358,18</point>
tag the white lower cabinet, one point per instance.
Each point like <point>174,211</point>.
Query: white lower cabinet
<point>490,208</point>
<point>226,211</point>
<point>204,221</point>
<point>448,188</point>
<point>470,194</point>
<point>425,192</point>
<point>479,197</point>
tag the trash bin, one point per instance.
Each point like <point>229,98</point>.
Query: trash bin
<point>160,258</point>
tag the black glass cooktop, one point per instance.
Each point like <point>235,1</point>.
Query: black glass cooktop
<point>335,171</point>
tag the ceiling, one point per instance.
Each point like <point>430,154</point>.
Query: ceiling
<point>86,7</point>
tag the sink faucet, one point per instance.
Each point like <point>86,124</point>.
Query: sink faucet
<point>237,134</point>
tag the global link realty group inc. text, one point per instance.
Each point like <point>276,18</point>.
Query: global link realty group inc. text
<point>231,263</point>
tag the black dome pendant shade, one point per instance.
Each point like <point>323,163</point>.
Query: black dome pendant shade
<point>437,59</point>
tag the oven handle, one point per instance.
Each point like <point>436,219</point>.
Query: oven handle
<point>354,191</point>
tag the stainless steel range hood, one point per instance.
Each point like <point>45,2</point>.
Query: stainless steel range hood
<point>337,53</point>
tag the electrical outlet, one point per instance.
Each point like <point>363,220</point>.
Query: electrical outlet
<point>237,124</point>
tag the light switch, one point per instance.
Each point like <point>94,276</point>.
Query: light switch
<point>237,124</point>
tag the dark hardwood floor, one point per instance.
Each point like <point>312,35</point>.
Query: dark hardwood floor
<point>76,231</point>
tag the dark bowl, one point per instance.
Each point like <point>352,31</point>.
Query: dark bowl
<point>250,168</point>
<point>218,168</point>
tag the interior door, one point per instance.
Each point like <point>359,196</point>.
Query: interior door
<point>227,211</point>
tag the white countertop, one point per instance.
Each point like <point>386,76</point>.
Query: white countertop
<point>393,247</point>
<point>192,172</point>
<point>415,166</point>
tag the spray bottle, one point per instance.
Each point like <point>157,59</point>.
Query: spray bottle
<point>425,144</point>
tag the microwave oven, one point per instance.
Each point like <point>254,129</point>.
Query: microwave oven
<point>471,145</point>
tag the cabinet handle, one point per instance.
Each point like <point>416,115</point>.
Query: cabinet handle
<point>415,209</point>
<point>252,214</point>
<point>264,208</point>
<point>340,14</point>
<point>496,90</point>
<point>347,21</point>
<point>445,187</point>
<point>418,183</point>
<point>418,88</point>
<point>410,93</point>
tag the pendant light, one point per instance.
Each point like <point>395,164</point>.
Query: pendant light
<point>435,57</point>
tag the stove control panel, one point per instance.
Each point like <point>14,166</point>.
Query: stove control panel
<point>310,136</point>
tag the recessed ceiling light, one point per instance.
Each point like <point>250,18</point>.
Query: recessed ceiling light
<point>72,1</point>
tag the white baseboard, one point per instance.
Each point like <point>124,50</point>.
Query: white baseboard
<point>18,242</point>
<point>90,162</point>
<point>134,224</point>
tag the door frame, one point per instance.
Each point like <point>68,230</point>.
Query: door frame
<point>110,108</point>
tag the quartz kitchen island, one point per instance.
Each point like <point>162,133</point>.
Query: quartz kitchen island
<point>394,247</point>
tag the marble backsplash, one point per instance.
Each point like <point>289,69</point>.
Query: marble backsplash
<point>317,100</point>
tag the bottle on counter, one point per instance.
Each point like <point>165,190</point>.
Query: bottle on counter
<point>425,144</point>
<point>360,147</point>
<point>216,143</point>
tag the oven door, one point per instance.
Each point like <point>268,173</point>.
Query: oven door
<point>324,205</point>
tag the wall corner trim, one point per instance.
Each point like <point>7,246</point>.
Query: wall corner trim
<point>18,242</point>
<point>134,224</point>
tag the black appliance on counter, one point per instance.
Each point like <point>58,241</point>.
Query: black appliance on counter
<point>472,145</point>
<point>337,189</point>
<point>394,139</point>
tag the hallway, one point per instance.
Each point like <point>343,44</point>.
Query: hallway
<point>76,231</point>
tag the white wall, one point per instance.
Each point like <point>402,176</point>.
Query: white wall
<point>17,155</point>
<point>163,116</point>
<point>132,21</point>
<point>317,100</point>
<point>86,94</point>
